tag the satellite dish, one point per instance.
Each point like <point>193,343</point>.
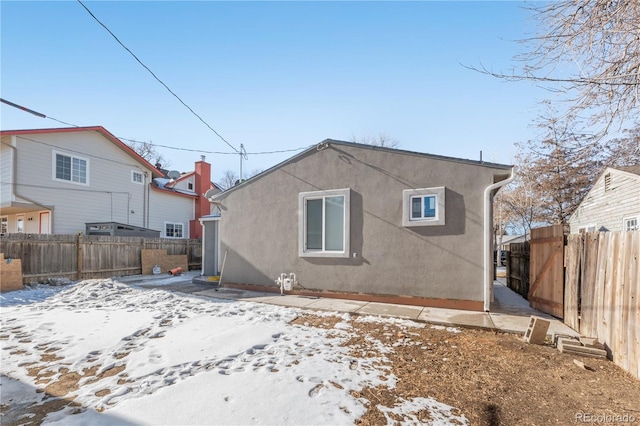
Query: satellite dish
<point>173,174</point>
<point>211,192</point>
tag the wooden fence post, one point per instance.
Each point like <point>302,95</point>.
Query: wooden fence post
<point>80,257</point>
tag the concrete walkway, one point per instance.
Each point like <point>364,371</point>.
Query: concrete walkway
<point>509,313</point>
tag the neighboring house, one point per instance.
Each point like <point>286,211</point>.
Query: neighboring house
<point>186,194</point>
<point>57,180</point>
<point>364,222</point>
<point>508,239</point>
<point>613,204</point>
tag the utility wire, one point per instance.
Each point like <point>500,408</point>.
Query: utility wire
<point>156,77</point>
<point>20,107</point>
<point>200,151</point>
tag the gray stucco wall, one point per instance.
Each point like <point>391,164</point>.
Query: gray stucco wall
<point>259,225</point>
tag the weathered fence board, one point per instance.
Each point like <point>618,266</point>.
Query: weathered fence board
<point>602,274</point>
<point>518,268</point>
<point>546,292</point>
<point>83,257</point>
<point>572,281</point>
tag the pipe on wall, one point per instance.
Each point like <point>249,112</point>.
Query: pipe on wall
<point>488,231</point>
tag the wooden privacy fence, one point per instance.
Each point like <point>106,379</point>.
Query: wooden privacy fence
<point>602,292</point>
<point>82,257</point>
<point>518,268</point>
<point>546,270</point>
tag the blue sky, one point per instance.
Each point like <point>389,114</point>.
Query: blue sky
<point>272,75</point>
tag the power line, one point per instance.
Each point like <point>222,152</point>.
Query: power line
<point>200,151</point>
<point>156,77</point>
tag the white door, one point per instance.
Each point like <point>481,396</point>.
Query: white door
<point>45,223</point>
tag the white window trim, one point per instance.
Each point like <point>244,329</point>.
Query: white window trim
<point>174,223</point>
<point>585,228</point>
<point>302,226</point>
<point>6,221</point>
<point>72,156</point>
<point>626,218</point>
<point>20,218</point>
<point>136,172</point>
<point>408,194</point>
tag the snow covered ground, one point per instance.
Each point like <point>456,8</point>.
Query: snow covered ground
<point>133,356</point>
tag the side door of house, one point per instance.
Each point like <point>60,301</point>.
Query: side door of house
<point>45,223</point>
<point>546,273</point>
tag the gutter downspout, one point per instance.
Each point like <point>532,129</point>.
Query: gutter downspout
<point>488,229</point>
<point>14,172</point>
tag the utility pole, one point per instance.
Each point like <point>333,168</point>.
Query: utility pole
<point>243,156</point>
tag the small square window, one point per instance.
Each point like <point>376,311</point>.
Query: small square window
<point>423,207</point>
<point>190,186</point>
<point>137,177</point>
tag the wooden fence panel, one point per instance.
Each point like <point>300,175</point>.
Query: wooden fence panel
<point>603,268</point>
<point>105,256</point>
<point>83,257</point>
<point>518,268</point>
<point>589,268</point>
<point>572,280</point>
<point>546,292</point>
<point>42,255</point>
<point>632,337</point>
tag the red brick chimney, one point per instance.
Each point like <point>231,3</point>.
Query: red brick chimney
<point>202,178</point>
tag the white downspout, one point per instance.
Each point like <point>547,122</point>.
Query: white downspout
<point>488,231</point>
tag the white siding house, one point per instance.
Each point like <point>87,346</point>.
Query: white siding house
<point>57,180</point>
<point>613,204</point>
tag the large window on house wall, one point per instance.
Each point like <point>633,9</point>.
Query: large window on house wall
<point>423,207</point>
<point>324,223</point>
<point>4,225</point>
<point>70,168</point>
<point>173,230</point>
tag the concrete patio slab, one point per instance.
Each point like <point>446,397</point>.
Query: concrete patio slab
<point>340,305</point>
<point>232,294</point>
<point>454,317</point>
<point>519,324</point>
<point>289,300</point>
<point>391,310</point>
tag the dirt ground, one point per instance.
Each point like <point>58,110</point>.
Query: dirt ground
<point>491,378</point>
<point>494,378</point>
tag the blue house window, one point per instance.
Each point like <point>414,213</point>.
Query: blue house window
<point>423,207</point>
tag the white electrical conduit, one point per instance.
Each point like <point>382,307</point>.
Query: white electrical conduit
<point>488,233</point>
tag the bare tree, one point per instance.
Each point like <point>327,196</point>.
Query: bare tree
<point>229,179</point>
<point>588,52</point>
<point>149,152</point>
<point>518,207</point>
<point>625,150</point>
<point>382,140</point>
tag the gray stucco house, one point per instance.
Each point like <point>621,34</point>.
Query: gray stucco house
<point>362,222</point>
